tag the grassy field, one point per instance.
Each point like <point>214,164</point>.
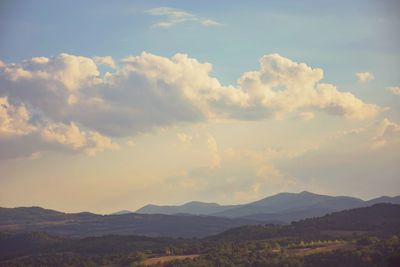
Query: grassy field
<point>318,249</point>
<point>164,259</point>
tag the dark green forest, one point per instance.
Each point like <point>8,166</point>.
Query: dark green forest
<point>358,237</point>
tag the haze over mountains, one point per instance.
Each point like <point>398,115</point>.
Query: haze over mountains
<point>283,207</point>
<point>194,219</point>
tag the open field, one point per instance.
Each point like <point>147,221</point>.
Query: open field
<point>319,249</point>
<point>164,259</point>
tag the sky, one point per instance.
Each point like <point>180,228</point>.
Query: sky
<point>107,106</point>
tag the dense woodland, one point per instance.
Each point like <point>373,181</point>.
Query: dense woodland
<point>358,237</point>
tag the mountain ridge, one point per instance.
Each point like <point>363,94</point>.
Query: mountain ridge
<point>84,224</point>
<point>284,207</point>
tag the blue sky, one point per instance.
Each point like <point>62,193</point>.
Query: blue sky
<point>362,34</point>
<point>276,137</point>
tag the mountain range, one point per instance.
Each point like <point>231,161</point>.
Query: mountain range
<point>350,233</point>
<point>282,207</point>
<point>194,219</point>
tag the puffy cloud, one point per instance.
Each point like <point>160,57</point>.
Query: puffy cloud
<point>50,85</point>
<point>148,91</point>
<point>281,86</point>
<point>73,137</point>
<point>16,127</point>
<point>176,16</point>
<point>394,90</point>
<point>107,61</point>
<point>364,77</point>
<point>71,71</point>
<point>14,120</point>
<point>386,132</point>
<point>284,86</point>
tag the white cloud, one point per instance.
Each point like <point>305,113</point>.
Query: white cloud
<point>284,86</point>
<point>364,77</point>
<point>148,91</point>
<point>394,90</point>
<point>14,120</point>
<point>386,133</point>
<point>73,137</point>
<point>16,127</point>
<point>107,61</point>
<point>175,16</point>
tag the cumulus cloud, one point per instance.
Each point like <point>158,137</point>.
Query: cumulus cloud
<point>283,86</point>
<point>394,90</point>
<point>174,16</point>
<point>107,61</point>
<point>364,77</point>
<point>386,133</point>
<point>149,91</point>
<point>16,127</point>
<point>14,120</point>
<point>73,137</point>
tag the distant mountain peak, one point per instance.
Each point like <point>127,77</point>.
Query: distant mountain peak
<point>121,212</point>
<point>307,193</point>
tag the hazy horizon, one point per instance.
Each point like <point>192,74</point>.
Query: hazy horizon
<point>106,108</point>
<point>186,202</point>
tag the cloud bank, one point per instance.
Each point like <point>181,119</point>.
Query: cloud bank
<point>66,100</point>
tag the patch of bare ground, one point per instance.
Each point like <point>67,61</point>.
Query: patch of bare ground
<point>164,259</point>
<point>318,249</point>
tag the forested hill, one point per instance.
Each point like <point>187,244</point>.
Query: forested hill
<point>358,238</point>
<point>383,217</point>
<point>84,224</point>
<point>379,219</point>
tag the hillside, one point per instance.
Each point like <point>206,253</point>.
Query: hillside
<point>89,224</point>
<point>367,238</point>
<point>379,219</point>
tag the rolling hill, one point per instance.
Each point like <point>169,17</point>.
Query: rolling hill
<point>88,224</point>
<point>381,219</point>
<point>368,238</point>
